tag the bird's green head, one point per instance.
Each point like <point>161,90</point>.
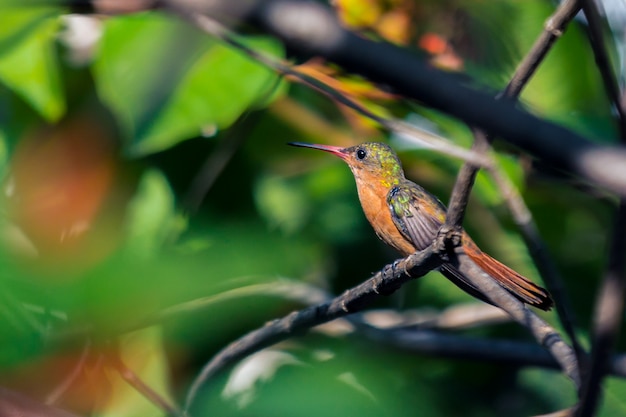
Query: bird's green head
<point>371,162</point>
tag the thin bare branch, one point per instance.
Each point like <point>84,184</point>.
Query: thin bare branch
<point>603,62</point>
<point>214,164</point>
<point>538,251</point>
<point>463,187</point>
<point>545,335</point>
<point>455,317</point>
<point>609,307</point>
<point>439,344</point>
<point>145,390</point>
<point>72,377</point>
<point>554,28</point>
<point>291,290</point>
<point>607,321</point>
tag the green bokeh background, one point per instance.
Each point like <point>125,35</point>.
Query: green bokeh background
<point>168,98</point>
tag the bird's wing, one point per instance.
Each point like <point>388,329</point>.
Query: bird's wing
<point>418,217</point>
<point>417,214</point>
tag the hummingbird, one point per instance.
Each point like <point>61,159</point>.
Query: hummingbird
<point>407,217</point>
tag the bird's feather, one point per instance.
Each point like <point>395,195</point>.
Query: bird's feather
<point>413,216</point>
<point>418,216</point>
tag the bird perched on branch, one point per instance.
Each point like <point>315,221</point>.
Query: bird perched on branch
<point>407,217</point>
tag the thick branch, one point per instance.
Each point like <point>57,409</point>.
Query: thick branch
<point>311,29</point>
<point>430,342</point>
<point>400,127</point>
<point>384,282</point>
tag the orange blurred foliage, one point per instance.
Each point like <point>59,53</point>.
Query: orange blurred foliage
<point>60,179</point>
<point>390,19</point>
<point>443,54</point>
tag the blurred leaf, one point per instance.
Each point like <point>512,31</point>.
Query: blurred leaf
<point>141,60</point>
<point>337,212</point>
<point>152,217</point>
<point>282,204</point>
<point>207,261</point>
<point>220,86</point>
<point>4,152</point>
<point>486,190</point>
<point>489,50</point>
<point>359,13</point>
<point>168,83</point>
<point>576,98</point>
<point>485,187</point>
<point>28,62</point>
<point>614,395</point>
<point>66,172</point>
<point>242,247</point>
<point>142,352</point>
<point>554,388</point>
<point>391,20</point>
<point>329,379</point>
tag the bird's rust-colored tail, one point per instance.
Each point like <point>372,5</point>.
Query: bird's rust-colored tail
<point>521,287</point>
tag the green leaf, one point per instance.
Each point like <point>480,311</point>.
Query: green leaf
<point>552,388</point>
<point>151,216</point>
<point>28,61</point>
<point>4,152</point>
<point>486,188</point>
<point>346,379</point>
<point>282,204</point>
<point>168,83</point>
<point>221,86</point>
<point>614,403</point>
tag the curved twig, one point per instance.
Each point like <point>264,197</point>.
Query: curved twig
<point>128,375</point>
<point>69,380</point>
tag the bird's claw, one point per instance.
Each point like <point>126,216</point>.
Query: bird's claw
<point>388,272</point>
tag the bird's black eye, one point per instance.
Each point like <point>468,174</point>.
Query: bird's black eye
<point>361,154</point>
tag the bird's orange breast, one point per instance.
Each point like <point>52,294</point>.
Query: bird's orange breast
<point>373,197</point>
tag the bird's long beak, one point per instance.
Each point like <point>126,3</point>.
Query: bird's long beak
<point>335,150</point>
